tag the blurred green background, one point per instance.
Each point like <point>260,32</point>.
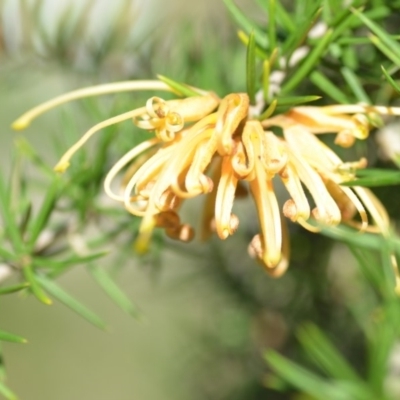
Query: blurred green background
<point>160,356</point>
<point>208,312</point>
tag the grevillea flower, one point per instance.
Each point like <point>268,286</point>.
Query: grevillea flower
<point>204,145</point>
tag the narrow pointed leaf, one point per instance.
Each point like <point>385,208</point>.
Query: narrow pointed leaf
<point>324,84</point>
<point>317,387</point>
<point>27,150</point>
<point>6,254</point>
<point>113,290</point>
<point>271,23</point>
<point>391,44</point>
<point>379,352</point>
<point>246,24</point>
<point>34,285</point>
<point>390,269</point>
<point>14,288</point>
<point>69,301</point>
<point>346,234</point>
<point>282,16</point>
<point>251,69</point>
<point>394,84</point>
<point>11,337</point>
<point>382,46</point>
<point>7,393</point>
<point>308,64</point>
<point>342,23</point>
<point>301,378</point>
<point>244,38</point>
<point>299,35</point>
<point>373,274</point>
<point>355,85</point>
<point>265,79</point>
<point>180,88</point>
<point>59,266</point>
<point>372,177</point>
<point>296,100</point>
<point>325,355</point>
<point>8,215</point>
<point>40,222</point>
<point>269,111</point>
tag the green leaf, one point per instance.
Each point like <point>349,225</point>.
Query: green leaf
<point>390,270</point>
<point>342,24</point>
<point>385,49</point>
<point>14,288</point>
<point>11,337</point>
<point>269,111</point>
<point>372,177</point>
<point>299,35</point>
<point>355,85</point>
<point>325,355</point>
<point>313,385</point>
<point>244,38</point>
<point>251,69</point>
<point>10,224</point>
<point>27,150</point>
<point>181,89</point>
<point>349,235</point>
<point>332,90</point>
<point>296,375</point>
<point>395,85</point>
<point>7,393</point>
<point>266,71</point>
<point>35,287</point>
<point>382,36</point>
<point>7,255</point>
<point>40,222</point>
<point>308,63</point>
<point>71,302</point>
<point>296,100</point>
<point>281,15</point>
<point>246,24</point>
<point>303,379</point>
<point>59,266</point>
<point>386,334</point>
<point>372,274</point>
<point>346,40</point>
<point>374,13</point>
<point>113,290</point>
<point>271,24</point>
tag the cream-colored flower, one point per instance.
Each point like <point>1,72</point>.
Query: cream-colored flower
<point>204,145</point>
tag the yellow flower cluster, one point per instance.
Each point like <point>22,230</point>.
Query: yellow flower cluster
<point>212,146</point>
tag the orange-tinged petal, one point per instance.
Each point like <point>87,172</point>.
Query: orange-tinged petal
<point>299,206</point>
<point>375,209</point>
<point>311,149</point>
<point>129,156</point>
<point>328,211</point>
<point>231,112</point>
<point>269,218</point>
<point>225,224</point>
<point>267,205</point>
<point>273,155</point>
<point>196,107</point>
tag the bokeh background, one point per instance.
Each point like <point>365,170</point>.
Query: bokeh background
<point>208,312</point>
<point>162,355</point>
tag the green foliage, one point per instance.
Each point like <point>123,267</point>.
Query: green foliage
<point>284,62</point>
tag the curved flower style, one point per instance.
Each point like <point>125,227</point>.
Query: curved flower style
<point>212,146</point>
